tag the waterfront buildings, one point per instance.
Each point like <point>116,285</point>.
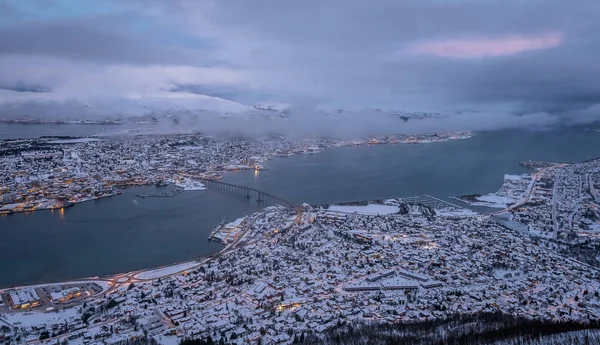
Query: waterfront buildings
<point>289,271</point>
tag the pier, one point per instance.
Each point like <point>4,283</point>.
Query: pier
<point>169,193</point>
<point>264,199</point>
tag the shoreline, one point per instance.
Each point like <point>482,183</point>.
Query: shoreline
<point>220,174</point>
<point>69,204</point>
<point>438,249</point>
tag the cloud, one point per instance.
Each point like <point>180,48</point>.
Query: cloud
<point>515,56</point>
<point>86,42</point>
<point>310,121</point>
<point>346,51</point>
<point>24,87</point>
<point>475,48</point>
<point>6,10</point>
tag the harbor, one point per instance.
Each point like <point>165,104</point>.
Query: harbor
<point>226,233</point>
<point>169,194</point>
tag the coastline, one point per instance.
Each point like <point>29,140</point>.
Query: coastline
<point>52,208</point>
<point>415,240</point>
<point>220,174</point>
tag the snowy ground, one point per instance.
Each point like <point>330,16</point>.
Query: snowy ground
<point>38,318</point>
<point>161,272</point>
<point>369,209</point>
<point>191,148</point>
<point>492,200</point>
<point>190,185</point>
<point>455,212</point>
<point>74,141</point>
<point>513,189</point>
<point>102,283</point>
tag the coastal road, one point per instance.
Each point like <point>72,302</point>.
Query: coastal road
<point>124,279</point>
<point>132,277</point>
<point>531,189</point>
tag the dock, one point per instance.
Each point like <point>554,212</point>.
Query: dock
<point>170,193</point>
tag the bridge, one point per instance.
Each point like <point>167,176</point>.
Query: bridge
<point>265,199</point>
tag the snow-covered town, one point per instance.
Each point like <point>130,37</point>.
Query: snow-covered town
<point>558,204</point>
<point>52,173</point>
<point>218,172</point>
<point>287,272</point>
<point>292,271</point>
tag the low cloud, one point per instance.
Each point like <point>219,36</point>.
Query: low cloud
<point>496,58</point>
<point>310,122</point>
<point>24,87</point>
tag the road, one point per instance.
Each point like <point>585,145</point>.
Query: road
<point>531,189</point>
<point>125,279</point>
<point>132,277</point>
<point>593,190</point>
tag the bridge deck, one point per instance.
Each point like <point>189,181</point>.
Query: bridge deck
<point>249,189</point>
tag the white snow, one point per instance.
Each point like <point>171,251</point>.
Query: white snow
<point>9,206</point>
<point>235,223</point>
<point>492,200</point>
<point>190,185</point>
<point>102,283</point>
<point>512,177</point>
<point>73,141</point>
<point>161,272</point>
<point>185,148</point>
<point>38,318</point>
<point>455,212</point>
<point>369,209</point>
<point>168,340</point>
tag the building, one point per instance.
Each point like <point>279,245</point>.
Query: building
<point>24,298</point>
<point>65,295</point>
<point>7,198</point>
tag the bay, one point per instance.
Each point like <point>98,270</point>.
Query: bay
<point>115,235</point>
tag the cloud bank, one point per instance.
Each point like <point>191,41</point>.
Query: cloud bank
<point>525,61</point>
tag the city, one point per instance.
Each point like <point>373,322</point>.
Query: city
<point>51,173</point>
<point>312,268</point>
<point>267,172</point>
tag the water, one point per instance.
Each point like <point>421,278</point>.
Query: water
<point>459,167</point>
<point>112,235</point>
<point>117,235</point>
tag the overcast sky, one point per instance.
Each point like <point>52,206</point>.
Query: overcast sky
<point>523,55</point>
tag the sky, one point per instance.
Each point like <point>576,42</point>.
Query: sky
<point>511,56</point>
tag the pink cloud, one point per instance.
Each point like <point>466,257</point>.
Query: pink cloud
<point>474,48</point>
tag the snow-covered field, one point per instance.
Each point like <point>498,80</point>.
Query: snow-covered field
<point>74,141</point>
<point>38,318</point>
<point>161,272</point>
<point>492,200</point>
<point>369,209</point>
<point>513,189</point>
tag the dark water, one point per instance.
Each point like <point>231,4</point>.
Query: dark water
<point>116,235</point>
<point>112,235</point>
<point>459,167</point>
